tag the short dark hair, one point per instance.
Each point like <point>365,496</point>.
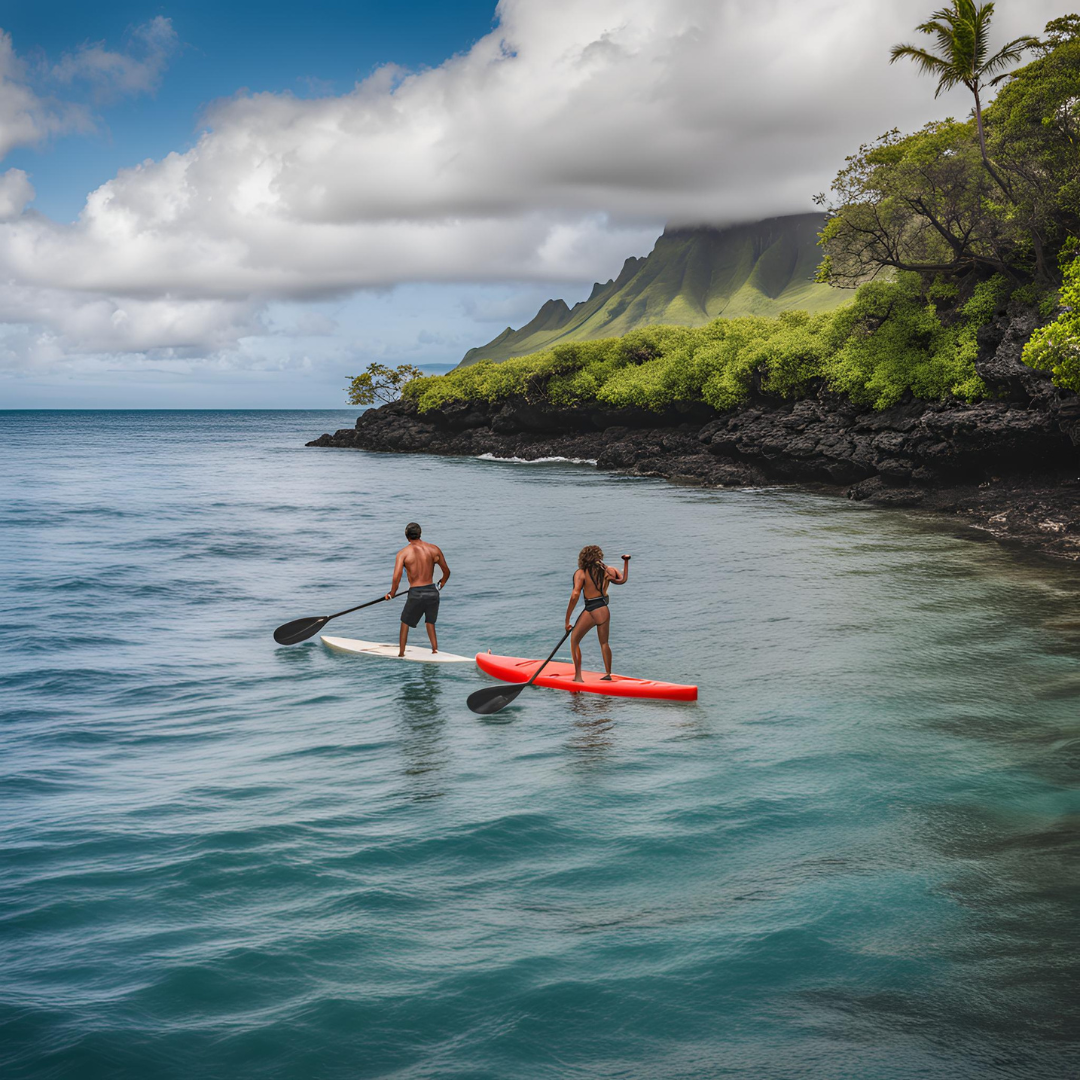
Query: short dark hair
<point>412,531</point>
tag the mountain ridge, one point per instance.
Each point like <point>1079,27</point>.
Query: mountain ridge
<point>692,275</point>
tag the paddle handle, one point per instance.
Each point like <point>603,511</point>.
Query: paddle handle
<point>551,656</point>
<point>357,608</point>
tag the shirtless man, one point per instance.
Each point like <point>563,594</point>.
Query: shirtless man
<point>418,559</point>
<point>592,578</point>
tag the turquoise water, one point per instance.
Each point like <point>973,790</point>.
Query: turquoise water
<point>855,856</point>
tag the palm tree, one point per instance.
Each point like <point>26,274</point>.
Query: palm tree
<point>962,33</point>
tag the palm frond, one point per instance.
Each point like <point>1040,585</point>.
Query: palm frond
<point>962,36</point>
<point>943,32</point>
<point>927,61</point>
<point>981,26</point>
<point>1008,54</point>
<point>942,15</point>
<point>938,23</point>
<point>947,74</point>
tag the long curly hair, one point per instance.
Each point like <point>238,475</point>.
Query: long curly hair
<point>591,560</point>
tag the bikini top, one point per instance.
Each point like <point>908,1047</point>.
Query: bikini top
<point>589,580</point>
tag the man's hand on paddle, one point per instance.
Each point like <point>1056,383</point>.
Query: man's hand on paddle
<point>399,569</point>
<point>440,562</point>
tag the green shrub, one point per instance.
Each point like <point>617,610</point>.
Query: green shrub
<point>1056,347</point>
<point>892,340</point>
<point>888,341</point>
<point>380,383</point>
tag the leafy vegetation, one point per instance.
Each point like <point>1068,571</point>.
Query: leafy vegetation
<point>920,202</point>
<point>962,33</point>
<point>997,194</point>
<point>936,231</point>
<point>1056,347</point>
<point>1034,135</point>
<point>891,340</point>
<point>380,383</point>
<point>996,197</point>
<point>691,276</point>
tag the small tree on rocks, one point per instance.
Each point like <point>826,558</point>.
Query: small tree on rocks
<point>380,383</point>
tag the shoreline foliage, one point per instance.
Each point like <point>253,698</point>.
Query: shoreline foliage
<point>380,383</point>
<point>936,231</point>
<point>1056,347</point>
<point>889,341</point>
<point>995,194</point>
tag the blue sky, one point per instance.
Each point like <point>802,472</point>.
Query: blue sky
<point>229,204</point>
<point>223,47</point>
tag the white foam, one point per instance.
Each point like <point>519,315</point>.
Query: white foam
<point>539,460</point>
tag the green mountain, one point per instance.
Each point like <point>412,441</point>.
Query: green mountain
<point>690,277</point>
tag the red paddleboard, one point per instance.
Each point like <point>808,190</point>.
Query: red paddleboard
<point>560,676</point>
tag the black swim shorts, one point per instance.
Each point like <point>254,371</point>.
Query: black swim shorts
<point>423,600</point>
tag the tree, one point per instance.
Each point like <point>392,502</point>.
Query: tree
<point>928,202</point>
<point>914,203</point>
<point>1033,132</point>
<point>1059,31</point>
<point>962,34</point>
<point>380,383</point>
<point>1056,347</point>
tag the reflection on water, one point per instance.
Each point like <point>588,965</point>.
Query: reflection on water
<point>592,734</point>
<point>422,723</point>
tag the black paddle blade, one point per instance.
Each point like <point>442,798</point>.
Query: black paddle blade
<point>299,630</point>
<point>490,699</point>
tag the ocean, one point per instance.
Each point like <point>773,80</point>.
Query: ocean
<point>854,856</point>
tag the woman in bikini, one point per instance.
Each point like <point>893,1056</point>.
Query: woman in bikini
<point>593,578</point>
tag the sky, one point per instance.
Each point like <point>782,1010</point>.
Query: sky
<point>229,205</point>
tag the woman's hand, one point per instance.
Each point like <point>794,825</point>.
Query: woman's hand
<point>569,626</point>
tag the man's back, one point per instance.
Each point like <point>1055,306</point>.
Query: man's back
<point>420,560</point>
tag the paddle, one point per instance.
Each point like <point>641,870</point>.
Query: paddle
<point>301,629</point>
<point>491,699</point>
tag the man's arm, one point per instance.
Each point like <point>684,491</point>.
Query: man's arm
<point>618,578</point>
<point>399,566</point>
<point>440,561</point>
<point>579,580</point>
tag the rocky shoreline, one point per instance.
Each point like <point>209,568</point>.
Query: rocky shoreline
<point>1008,466</point>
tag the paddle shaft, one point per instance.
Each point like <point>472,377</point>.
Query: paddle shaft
<point>292,633</point>
<point>357,608</point>
<point>551,656</point>
<point>491,699</point>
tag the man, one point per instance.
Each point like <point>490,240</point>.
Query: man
<point>418,559</point>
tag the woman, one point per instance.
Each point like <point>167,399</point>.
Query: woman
<point>592,578</point>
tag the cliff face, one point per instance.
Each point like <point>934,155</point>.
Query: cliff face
<point>1007,466</point>
<point>690,277</point>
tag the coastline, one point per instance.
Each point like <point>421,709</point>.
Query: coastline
<point>1008,467</point>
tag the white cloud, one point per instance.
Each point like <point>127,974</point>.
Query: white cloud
<point>120,74</point>
<point>89,322</point>
<point>16,192</point>
<point>551,150</point>
<point>26,118</point>
<point>29,117</point>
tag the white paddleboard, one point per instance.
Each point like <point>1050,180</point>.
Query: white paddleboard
<point>375,648</point>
